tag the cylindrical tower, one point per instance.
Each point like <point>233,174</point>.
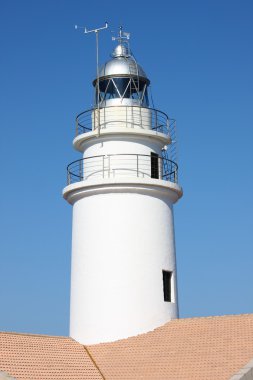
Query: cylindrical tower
<point>123,271</point>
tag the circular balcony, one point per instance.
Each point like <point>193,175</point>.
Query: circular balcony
<point>122,165</point>
<point>124,116</point>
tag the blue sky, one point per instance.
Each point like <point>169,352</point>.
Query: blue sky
<point>199,57</point>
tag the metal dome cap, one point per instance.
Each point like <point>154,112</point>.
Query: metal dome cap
<point>122,50</point>
<point>122,64</point>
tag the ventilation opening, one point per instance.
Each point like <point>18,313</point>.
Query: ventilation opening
<point>167,285</point>
<point>154,166</point>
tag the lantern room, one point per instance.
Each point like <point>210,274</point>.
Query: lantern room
<point>121,80</point>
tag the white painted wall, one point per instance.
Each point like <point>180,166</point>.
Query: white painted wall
<point>122,241</point>
<point>125,117</point>
<point>122,144</point>
<point>123,160</point>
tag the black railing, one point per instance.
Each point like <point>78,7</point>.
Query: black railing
<point>127,116</point>
<point>122,165</point>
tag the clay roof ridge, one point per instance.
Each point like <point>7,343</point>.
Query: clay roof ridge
<point>36,335</point>
<point>93,361</point>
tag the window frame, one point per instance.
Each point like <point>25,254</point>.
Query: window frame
<point>167,285</point>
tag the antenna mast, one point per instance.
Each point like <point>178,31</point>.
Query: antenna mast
<point>96,31</point>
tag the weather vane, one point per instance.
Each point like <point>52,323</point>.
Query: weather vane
<point>122,36</point>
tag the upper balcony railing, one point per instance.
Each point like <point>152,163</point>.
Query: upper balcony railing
<point>122,165</point>
<point>124,116</point>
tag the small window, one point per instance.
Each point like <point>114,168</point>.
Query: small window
<point>167,285</point>
<point>154,166</point>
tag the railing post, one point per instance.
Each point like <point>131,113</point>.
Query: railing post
<point>137,165</point>
<point>156,125</point>
<point>103,166</point>
<point>109,166</point>
<point>80,171</point>
<point>141,123</point>
<point>76,127</point>
<point>99,119</point>
<point>95,118</point>
<point>68,177</point>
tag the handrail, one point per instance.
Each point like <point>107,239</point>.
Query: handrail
<point>118,165</point>
<point>149,118</point>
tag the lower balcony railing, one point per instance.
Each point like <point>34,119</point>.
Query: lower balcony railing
<point>122,165</point>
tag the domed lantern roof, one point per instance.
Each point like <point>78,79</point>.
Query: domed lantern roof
<point>121,79</point>
<point>122,64</point>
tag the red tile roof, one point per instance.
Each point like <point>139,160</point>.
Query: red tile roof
<point>186,349</point>
<point>38,357</point>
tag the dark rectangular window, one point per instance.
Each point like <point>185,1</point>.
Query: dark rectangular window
<point>167,285</point>
<point>154,165</point>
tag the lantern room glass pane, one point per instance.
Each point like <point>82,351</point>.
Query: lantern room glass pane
<point>126,88</point>
<point>122,84</point>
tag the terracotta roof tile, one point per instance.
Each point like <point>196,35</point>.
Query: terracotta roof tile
<point>185,349</point>
<point>37,357</point>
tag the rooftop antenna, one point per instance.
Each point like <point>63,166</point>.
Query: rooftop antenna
<point>96,31</point>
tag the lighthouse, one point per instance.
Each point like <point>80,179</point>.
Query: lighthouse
<point>122,189</point>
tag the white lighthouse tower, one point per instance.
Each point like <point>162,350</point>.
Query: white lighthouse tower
<point>123,271</point>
